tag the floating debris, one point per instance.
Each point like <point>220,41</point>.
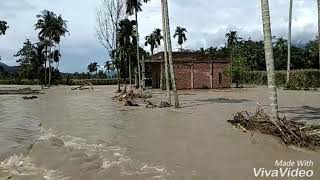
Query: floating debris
<point>29,97</point>
<point>291,133</point>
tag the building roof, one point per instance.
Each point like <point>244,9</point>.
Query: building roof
<point>187,57</point>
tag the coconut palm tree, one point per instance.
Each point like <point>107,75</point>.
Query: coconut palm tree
<point>269,58</point>
<point>289,40</point>
<point>3,27</point>
<point>133,7</point>
<point>152,41</point>
<point>182,37</point>
<point>169,48</point>
<point>165,54</point>
<point>52,28</point>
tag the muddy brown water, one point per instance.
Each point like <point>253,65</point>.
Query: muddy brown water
<point>82,135</point>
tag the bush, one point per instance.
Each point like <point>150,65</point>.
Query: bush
<point>299,79</point>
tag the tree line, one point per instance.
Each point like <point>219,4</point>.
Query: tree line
<point>37,59</point>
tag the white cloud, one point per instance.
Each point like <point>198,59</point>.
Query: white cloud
<point>207,22</point>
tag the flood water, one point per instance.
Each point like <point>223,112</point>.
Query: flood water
<point>83,135</point>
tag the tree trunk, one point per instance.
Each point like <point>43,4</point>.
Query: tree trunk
<point>289,41</point>
<point>269,58</point>
<point>45,67</point>
<point>319,29</point>
<point>143,73</point>
<point>49,79</point>
<point>138,52</point>
<point>166,67</point>
<point>136,77</point>
<point>173,79</point>
<point>130,76</point>
<point>119,84</point>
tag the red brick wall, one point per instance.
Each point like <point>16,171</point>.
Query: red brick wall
<point>183,75</point>
<point>225,81</point>
<point>201,75</point>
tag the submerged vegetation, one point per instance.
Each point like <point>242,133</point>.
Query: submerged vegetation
<point>290,132</point>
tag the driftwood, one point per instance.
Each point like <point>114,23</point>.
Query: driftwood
<point>83,86</point>
<point>130,103</point>
<point>29,97</point>
<point>162,104</point>
<point>24,91</point>
<point>290,132</point>
<point>130,95</point>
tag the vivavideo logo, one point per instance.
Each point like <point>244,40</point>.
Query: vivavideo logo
<point>287,169</point>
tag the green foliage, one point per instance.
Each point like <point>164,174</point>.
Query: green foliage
<point>299,79</point>
<point>154,40</point>
<point>181,34</point>
<point>3,27</point>
<point>238,70</point>
<point>302,57</point>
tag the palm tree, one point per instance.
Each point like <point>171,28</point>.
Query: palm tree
<point>289,41</point>
<point>93,67</point>
<point>169,46</point>
<point>166,62</point>
<point>3,27</point>
<point>126,40</point>
<point>269,58</point>
<point>52,28</point>
<point>55,56</point>
<point>108,65</point>
<point>133,7</point>
<point>158,36</point>
<point>181,33</point>
<point>152,41</point>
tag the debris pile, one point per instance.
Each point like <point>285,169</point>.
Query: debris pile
<point>128,97</point>
<point>291,133</point>
<point>84,86</point>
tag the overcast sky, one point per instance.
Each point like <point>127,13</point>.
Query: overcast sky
<point>207,22</point>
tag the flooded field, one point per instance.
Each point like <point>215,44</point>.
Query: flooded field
<point>82,135</point>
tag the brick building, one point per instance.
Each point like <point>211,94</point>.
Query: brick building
<point>192,71</point>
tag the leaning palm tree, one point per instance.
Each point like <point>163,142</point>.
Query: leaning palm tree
<point>269,58</point>
<point>182,37</point>
<point>289,41</point>
<point>169,46</point>
<point>133,7</point>
<point>3,27</point>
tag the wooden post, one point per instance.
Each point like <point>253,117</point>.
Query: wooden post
<point>192,76</point>
<point>161,76</point>
<point>143,74</point>
<point>211,75</point>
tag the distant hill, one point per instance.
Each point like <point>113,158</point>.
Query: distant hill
<point>11,69</point>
